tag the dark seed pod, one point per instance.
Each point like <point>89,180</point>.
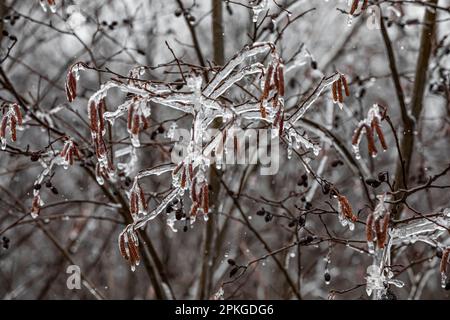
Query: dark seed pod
<point>268,217</point>
<point>233,271</point>
<point>261,212</point>
<point>34,157</point>
<point>231,262</point>
<point>373,183</point>
<point>382,176</point>
<point>326,188</point>
<point>179,214</point>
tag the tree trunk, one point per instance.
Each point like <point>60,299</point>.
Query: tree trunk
<point>214,178</point>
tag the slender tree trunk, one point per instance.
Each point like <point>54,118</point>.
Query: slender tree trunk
<point>214,179</point>
<point>407,145</point>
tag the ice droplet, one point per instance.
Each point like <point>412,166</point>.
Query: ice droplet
<point>443,279</point>
<point>350,20</point>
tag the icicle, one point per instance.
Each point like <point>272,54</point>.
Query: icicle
<point>257,9</point>
<point>375,280</point>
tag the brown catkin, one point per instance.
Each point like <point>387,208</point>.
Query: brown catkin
<point>191,171</point>
<point>134,254</point>
<point>130,117</point>
<point>178,167</point>
<point>193,191</point>
<point>370,141</point>
<point>354,7</point>
<point>93,116</point>
<point>444,260</point>
<point>339,91</point>
<point>335,95</point>
<point>64,150</point>
<point>379,232</point>
<point>76,153</point>
<point>71,86</point>
<point>12,125</point>
<point>122,249</point>
<point>262,110</point>
<point>345,85</point>
<point>194,209</point>
<point>136,124</point>
<point>346,208</point>
<point>3,127</point>
<point>133,203</point>
<point>356,135</point>
<point>142,197</point>
<point>266,88</point>
<point>385,228</point>
<point>376,126</point>
<point>101,120</point>
<point>365,5</point>
<point>276,79</point>
<point>281,81</point>
<point>144,121</point>
<point>70,156</point>
<point>35,205</point>
<point>18,114</point>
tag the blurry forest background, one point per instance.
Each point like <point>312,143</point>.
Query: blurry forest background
<point>283,230</point>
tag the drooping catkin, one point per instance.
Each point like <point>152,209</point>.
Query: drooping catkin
<point>130,117</point>
<point>267,83</point>
<point>101,120</point>
<point>280,80</point>
<point>93,117</point>
<point>335,94</point>
<point>377,128</point>
<point>354,7</point>
<point>345,85</point>
<point>444,260</point>
<point>370,141</point>
<point>339,91</point>
<point>12,126</point>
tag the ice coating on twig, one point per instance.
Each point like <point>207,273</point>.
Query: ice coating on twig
<point>426,230</point>
<point>258,8</point>
<point>202,101</point>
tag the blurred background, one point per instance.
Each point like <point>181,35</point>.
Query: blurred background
<point>81,220</point>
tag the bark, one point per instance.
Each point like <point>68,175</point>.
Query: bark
<point>214,178</point>
<point>407,144</point>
